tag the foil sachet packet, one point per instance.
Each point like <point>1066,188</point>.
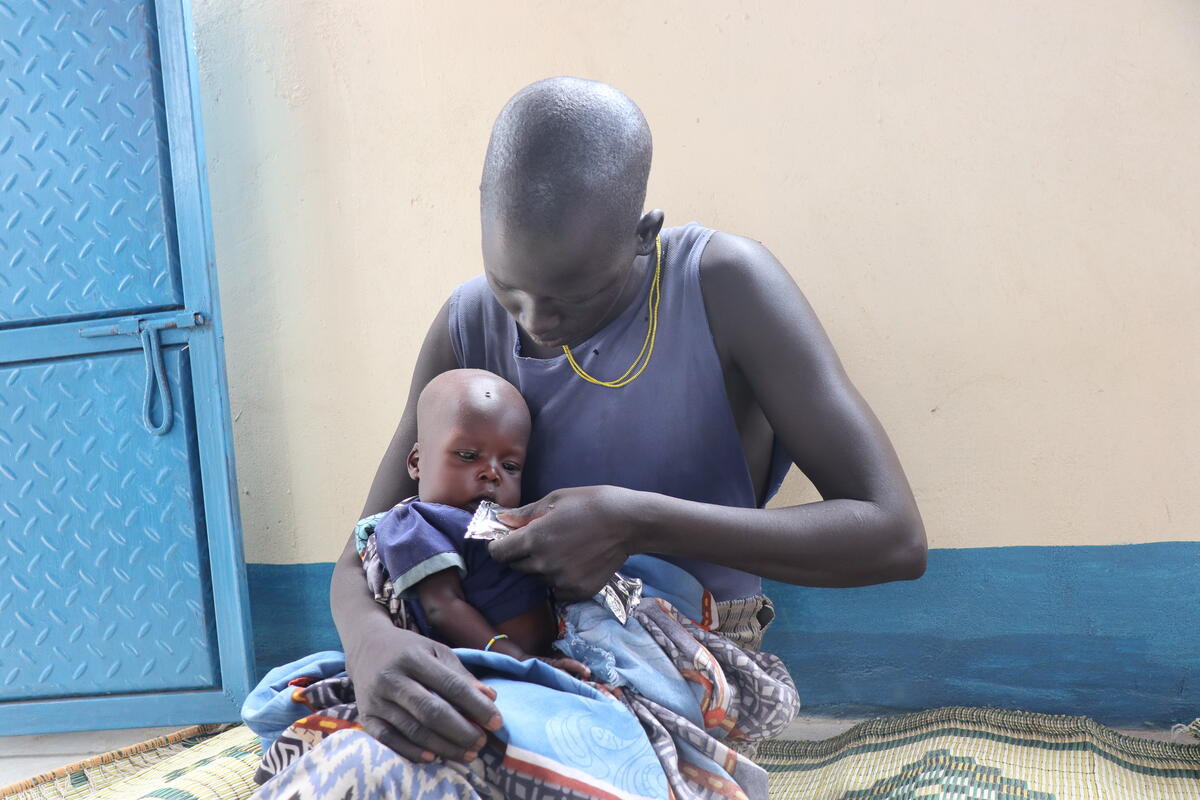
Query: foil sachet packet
<point>620,595</point>
<point>486,525</point>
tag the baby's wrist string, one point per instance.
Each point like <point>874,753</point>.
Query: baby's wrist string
<point>493,640</point>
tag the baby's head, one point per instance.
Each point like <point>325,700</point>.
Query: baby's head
<point>472,431</point>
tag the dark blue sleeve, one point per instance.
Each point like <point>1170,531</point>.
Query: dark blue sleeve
<point>496,590</point>
<point>419,539</point>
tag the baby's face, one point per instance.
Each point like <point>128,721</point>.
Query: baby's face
<point>472,458</point>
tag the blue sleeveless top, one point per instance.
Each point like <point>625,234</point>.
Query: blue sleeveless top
<point>671,431</point>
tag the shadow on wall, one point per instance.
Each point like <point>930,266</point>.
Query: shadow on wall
<point>289,610</point>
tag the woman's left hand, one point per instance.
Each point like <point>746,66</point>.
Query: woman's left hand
<point>574,538</point>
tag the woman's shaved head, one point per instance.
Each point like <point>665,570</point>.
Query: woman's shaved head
<point>563,147</point>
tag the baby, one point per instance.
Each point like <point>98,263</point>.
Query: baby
<point>472,431</point>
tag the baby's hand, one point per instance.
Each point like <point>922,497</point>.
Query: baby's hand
<point>569,666</point>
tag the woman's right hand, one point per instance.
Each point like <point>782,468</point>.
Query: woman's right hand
<point>417,698</point>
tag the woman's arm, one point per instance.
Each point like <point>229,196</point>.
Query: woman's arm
<point>576,538</point>
<point>866,529</point>
<point>413,694</point>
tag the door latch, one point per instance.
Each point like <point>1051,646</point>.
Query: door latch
<point>156,374</point>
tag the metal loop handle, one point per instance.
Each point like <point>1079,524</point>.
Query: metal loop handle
<point>156,376</point>
<point>156,373</point>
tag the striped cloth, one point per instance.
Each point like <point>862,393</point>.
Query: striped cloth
<point>745,621</point>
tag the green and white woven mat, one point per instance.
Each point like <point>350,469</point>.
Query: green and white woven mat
<point>204,762</point>
<point>982,754</point>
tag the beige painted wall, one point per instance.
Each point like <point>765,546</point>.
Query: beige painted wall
<point>993,207</point>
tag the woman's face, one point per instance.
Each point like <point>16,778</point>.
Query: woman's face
<point>560,288</point>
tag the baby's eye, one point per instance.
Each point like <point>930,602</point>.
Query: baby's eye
<point>512,466</point>
<point>466,455</point>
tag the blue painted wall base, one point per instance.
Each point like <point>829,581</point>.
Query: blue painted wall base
<point>1110,632</point>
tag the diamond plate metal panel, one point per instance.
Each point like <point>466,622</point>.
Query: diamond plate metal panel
<point>103,574</point>
<point>85,197</point>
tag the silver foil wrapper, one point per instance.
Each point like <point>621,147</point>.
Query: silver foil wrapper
<point>485,524</point>
<point>620,595</point>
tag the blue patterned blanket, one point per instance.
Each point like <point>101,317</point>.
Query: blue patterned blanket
<point>672,704</point>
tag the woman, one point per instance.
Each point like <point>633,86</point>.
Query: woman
<point>728,379</point>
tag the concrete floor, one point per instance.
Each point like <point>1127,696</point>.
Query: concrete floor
<point>25,756</point>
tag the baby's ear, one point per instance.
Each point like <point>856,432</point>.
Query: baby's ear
<point>414,458</point>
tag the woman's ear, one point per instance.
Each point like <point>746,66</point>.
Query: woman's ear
<point>648,228</point>
<point>414,458</point>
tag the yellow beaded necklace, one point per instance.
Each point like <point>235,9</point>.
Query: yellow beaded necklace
<point>651,330</point>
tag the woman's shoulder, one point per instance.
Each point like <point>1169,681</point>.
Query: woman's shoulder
<point>480,329</point>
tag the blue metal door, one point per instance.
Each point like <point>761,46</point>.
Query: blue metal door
<point>122,588</point>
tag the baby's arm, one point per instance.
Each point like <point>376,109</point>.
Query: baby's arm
<point>456,621</point>
<point>459,624</point>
